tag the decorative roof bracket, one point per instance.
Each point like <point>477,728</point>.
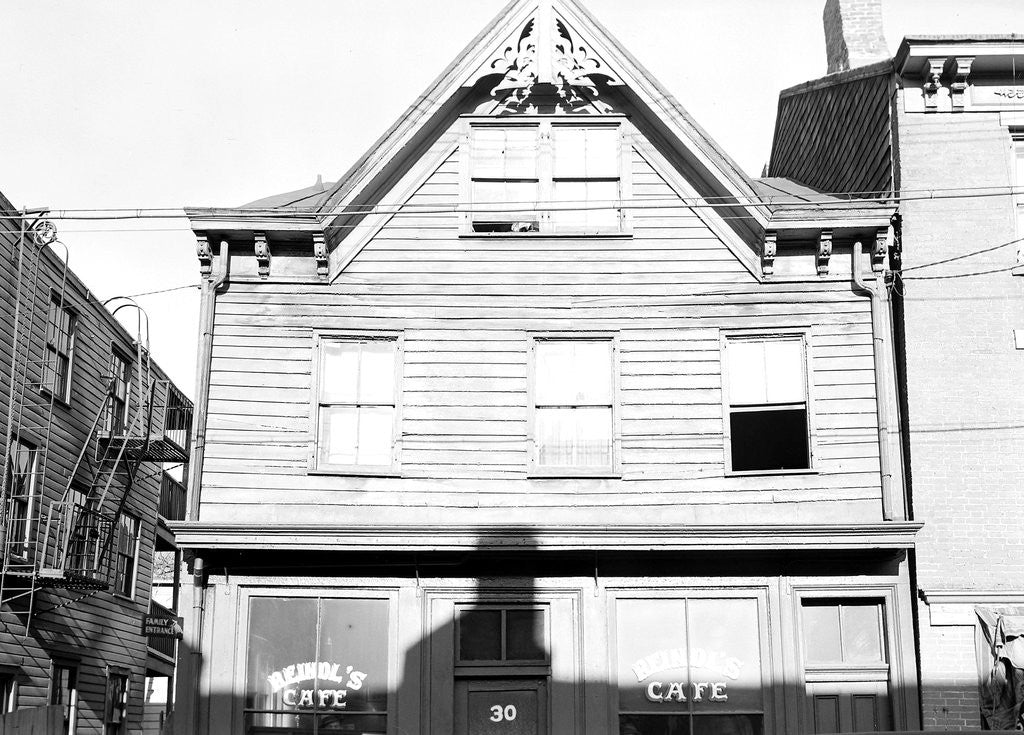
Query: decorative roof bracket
<point>959,85</point>
<point>262,254</point>
<point>933,82</point>
<point>880,249</point>
<point>824,251</point>
<point>320,253</point>
<point>204,253</point>
<point>768,252</point>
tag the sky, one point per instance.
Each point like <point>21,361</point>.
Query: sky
<point>215,103</point>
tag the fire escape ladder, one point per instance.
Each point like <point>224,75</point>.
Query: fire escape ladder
<point>31,392</point>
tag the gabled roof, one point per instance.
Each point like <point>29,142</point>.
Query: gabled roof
<point>479,58</point>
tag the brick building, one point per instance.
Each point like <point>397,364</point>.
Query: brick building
<point>941,125</point>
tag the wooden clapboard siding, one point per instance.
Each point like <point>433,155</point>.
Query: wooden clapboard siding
<point>101,629</point>
<point>836,135</point>
<point>466,307</point>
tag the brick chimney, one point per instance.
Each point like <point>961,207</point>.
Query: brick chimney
<point>853,34</point>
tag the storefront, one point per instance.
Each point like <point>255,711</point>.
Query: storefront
<point>637,654</point>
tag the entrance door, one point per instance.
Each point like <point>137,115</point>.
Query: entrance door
<point>849,706</point>
<point>501,707</point>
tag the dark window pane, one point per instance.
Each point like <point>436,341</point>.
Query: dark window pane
<point>279,723</point>
<point>362,724</point>
<point>525,639</point>
<point>282,633</point>
<point>769,440</point>
<point>821,633</point>
<point>654,725</point>
<point>862,637</point>
<point>727,725</point>
<point>480,635</point>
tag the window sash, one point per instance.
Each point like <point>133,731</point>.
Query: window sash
<point>22,470</point>
<point>118,408</point>
<point>357,406</point>
<point>574,165</point>
<point>60,341</point>
<point>127,555</point>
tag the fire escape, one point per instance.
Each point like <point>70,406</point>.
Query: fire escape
<point>69,543</point>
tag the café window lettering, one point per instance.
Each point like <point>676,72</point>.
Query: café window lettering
<point>316,665</point>
<point>689,667</point>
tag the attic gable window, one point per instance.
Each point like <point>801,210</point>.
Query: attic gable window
<point>545,177</point>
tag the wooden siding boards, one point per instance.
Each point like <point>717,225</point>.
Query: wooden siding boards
<point>465,306</point>
<point>94,630</point>
<point>836,135</point>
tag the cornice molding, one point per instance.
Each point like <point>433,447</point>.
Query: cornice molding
<point>438,537</point>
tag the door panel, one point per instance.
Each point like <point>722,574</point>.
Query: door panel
<point>501,707</point>
<point>849,706</point>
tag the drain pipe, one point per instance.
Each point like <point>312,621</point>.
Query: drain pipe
<point>879,301</point>
<point>196,640</point>
<point>207,313</point>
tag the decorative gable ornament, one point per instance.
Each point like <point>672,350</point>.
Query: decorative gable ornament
<point>548,62</point>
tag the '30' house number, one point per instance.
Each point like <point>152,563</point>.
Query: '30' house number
<point>503,714</point>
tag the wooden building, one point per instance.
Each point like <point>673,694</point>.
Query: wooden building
<point>941,127</point>
<point>545,418</point>
<point>93,431</point>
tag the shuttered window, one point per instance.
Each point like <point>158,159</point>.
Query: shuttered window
<point>357,405</point>
<point>766,398</point>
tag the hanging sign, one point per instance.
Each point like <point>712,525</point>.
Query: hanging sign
<point>161,626</point>
<point>289,682</point>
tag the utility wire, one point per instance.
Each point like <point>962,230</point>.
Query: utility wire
<point>965,255</point>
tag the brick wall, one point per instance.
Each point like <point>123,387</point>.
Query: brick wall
<point>965,388</point>
<point>853,34</point>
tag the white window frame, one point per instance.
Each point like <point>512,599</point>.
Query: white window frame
<point>8,689</point>
<point>133,581</point>
<point>109,726</point>
<point>355,335</point>
<point>52,354</point>
<point>545,173</point>
<point>760,335</point>
<point>535,469</point>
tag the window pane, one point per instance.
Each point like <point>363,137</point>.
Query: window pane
<point>376,432</point>
<point>586,152</point>
<point>590,205</point>
<point>339,371</point>
<point>784,361</point>
<point>506,201</point>
<point>338,434</point>
<point>654,725</point>
<point>355,633</point>
<point>821,633</point>
<point>505,153</point>
<point>651,642</point>
<point>574,437</point>
<point>725,647</point>
<point>573,372</point>
<point>377,372</point>
<point>282,633</point>
<point>769,440</point>
<point>525,635</point>
<point>480,635</point>
<point>747,375</point>
<point>727,725</point>
<point>862,639</point>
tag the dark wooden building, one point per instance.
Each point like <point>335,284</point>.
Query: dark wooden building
<point>93,432</point>
<point>545,418</point>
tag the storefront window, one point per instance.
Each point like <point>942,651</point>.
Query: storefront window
<point>689,667</point>
<point>317,665</point>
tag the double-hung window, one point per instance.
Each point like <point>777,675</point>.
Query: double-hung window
<point>766,398</point>
<point>115,709</point>
<point>573,405</point>
<point>357,403</point>
<point>126,557</point>
<point>546,177</point>
<point>64,692</point>
<point>117,410</point>
<point>60,344</point>
<point>22,467</point>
